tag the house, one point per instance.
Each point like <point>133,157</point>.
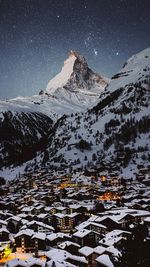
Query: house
<point>64,222</point>
<point>77,208</point>
<point>28,198</point>
<point>97,229</point>
<point>24,242</point>
<point>84,237</point>
<point>70,247</point>
<point>109,223</point>
<point>3,224</point>
<point>57,238</point>
<point>28,210</point>
<point>39,241</point>
<point>114,238</point>
<point>4,234</point>
<point>38,227</point>
<point>14,224</point>
<point>88,253</point>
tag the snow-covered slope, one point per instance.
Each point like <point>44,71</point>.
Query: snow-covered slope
<point>135,70</point>
<point>74,89</point>
<point>30,119</point>
<point>62,78</point>
<point>115,133</point>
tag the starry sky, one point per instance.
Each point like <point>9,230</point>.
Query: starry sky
<point>36,36</point>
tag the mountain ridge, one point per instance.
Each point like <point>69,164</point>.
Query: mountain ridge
<point>116,129</point>
<point>112,135</point>
<point>25,113</point>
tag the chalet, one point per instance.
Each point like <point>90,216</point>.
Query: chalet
<point>55,239</point>
<point>70,247</point>
<point>43,217</point>
<point>39,241</point>
<point>3,224</point>
<point>84,237</point>
<point>2,205</point>
<point>97,229</point>
<point>114,238</point>
<point>28,210</point>
<point>4,234</point>
<point>110,223</point>
<point>62,210</point>
<point>38,227</point>
<point>24,241</point>
<point>14,224</point>
<point>65,222</point>
<point>28,199</point>
<point>50,210</point>
<point>88,253</point>
<point>77,208</point>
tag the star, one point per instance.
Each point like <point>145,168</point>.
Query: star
<point>58,16</point>
<point>95,52</point>
<point>117,53</point>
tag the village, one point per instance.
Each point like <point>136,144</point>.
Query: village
<point>87,220</point>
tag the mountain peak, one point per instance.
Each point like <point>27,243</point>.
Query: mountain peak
<point>76,75</point>
<point>77,55</point>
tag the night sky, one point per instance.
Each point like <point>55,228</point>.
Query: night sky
<point>36,36</point>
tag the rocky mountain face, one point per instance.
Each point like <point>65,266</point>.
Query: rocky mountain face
<point>75,76</point>
<point>114,134</point>
<point>26,122</point>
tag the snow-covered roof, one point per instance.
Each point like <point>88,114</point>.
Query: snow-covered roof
<point>86,251</point>
<point>27,232</point>
<point>105,260</point>
<point>41,236</point>
<point>82,233</point>
<point>16,263</point>
<point>54,236</point>
<point>58,263</point>
<point>99,250</point>
<point>67,243</point>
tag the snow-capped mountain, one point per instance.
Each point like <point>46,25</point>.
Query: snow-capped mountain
<point>74,89</point>
<point>76,85</point>
<point>76,75</point>
<point>30,119</point>
<point>114,134</point>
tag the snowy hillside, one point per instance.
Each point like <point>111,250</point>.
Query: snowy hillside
<point>135,70</point>
<point>114,135</point>
<point>25,122</point>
